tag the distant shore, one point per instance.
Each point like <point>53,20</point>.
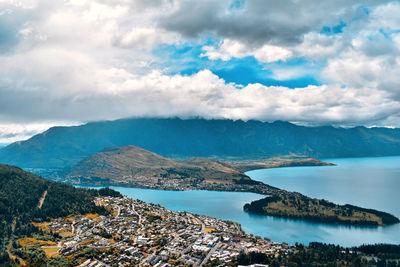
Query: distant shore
<point>279,202</point>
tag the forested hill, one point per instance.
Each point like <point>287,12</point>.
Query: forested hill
<point>25,198</point>
<point>62,147</point>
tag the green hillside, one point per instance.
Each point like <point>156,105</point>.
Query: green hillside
<point>26,198</point>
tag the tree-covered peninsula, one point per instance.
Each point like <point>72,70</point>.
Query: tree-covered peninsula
<point>297,206</point>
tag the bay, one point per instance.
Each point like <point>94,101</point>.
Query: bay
<point>368,182</point>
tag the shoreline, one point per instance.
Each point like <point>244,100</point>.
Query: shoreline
<point>262,189</point>
<point>266,191</point>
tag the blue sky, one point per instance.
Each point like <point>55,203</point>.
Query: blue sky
<point>67,62</point>
<point>187,59</point>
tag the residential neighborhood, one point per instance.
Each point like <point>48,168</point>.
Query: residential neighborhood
<point>143,234</point>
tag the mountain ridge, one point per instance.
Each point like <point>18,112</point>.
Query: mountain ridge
<point>131,164</point>
<point>179,138</point>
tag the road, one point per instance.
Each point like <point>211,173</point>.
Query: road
<point>203,226</point>
<point>239,231</point>
<point>119,211</point>
<point>209,254</point>
<point>140,216</point>
<point>42,199</point>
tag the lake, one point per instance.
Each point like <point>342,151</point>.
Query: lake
<point>367,182</point>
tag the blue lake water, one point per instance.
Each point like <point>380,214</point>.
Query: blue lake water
<point>367,182</point>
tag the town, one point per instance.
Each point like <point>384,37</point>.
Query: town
<point>143,234</point>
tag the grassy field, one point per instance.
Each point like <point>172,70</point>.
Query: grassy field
<point>66,234</point>
<point>32,241</point>
<point>209,229</point>
<point>51,251</point>
<point>92,215</point>
<point>42,226</point>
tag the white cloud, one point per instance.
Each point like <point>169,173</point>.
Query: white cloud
<point>15,132</point>
<point>145,38</point>
<point>372,60</point>
<point>317,46</point>
<point>119,94</point>
<point>76,61</point>
<point>234,49</point>
<point>287,73</point>
<point>387,16</point>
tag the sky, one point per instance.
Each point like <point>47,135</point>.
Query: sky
<point>310,62</point>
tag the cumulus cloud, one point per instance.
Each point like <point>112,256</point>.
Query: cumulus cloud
<point>67,62</point>
<point>203,94</point>
<point>261,21</point>
<point>229,49</point>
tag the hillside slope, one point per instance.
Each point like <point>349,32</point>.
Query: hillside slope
<point>61,147</point>
<point>26,198</point>
<point>130,164</point>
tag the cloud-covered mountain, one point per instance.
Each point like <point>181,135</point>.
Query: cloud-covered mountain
<point>61,147</point>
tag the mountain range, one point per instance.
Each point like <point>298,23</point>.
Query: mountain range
<point>63,147</point>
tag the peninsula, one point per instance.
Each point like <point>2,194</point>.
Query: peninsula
<point>132,166</point>
<point>297,206</point>
<point>59,225</point>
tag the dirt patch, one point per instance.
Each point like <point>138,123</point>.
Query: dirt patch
<point>32,241</point>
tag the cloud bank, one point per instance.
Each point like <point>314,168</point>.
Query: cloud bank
<point>68,62</point>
